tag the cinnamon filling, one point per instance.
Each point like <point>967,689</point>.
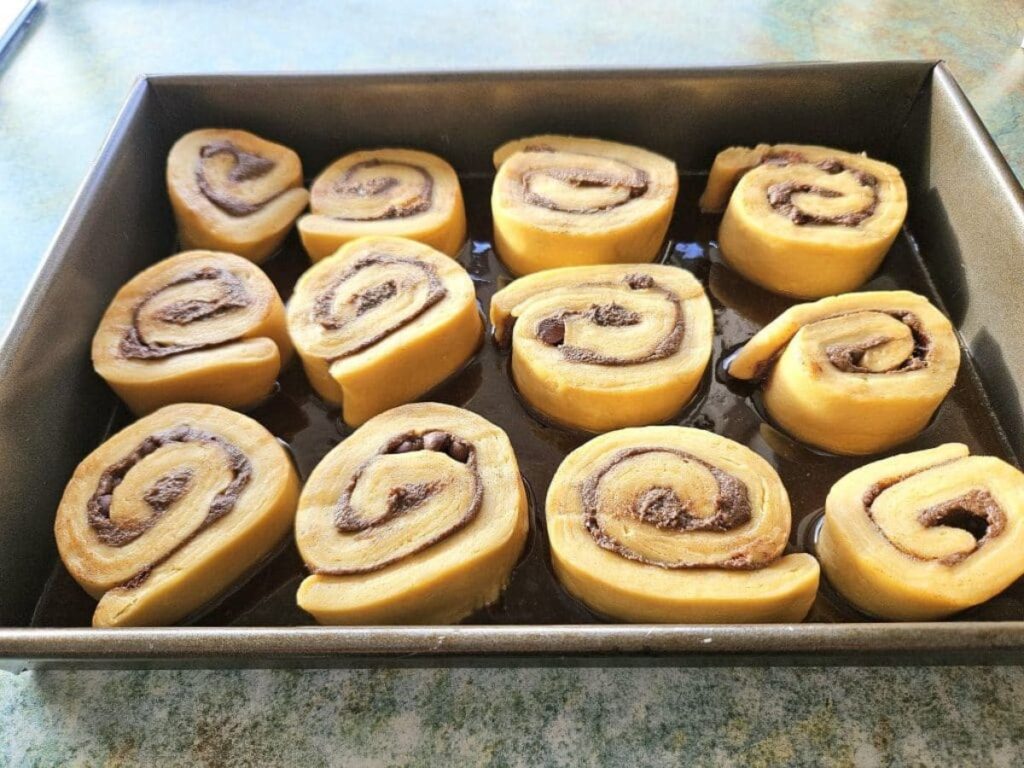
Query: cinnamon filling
<point>247,166</point>
<point>374,298</point>
<point>662,508</point>
<point>634,185</point>
<point>409,496</point>
<point>848,357</point>
<point>639,282</point>
<point>233,295</point>
<point>381,186</point>
<point>164,493</point>
<point>975,511</point>
<point>551,330</point>
<point>612,315</point>
<point>406,497</point>
<point>780,196</point>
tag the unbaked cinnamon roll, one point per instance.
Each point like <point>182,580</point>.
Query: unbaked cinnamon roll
<point>853,374</point>
<point>418,517</point>
<point>562,201</point>
<point>196,327</point>
<point>603,347</point>
<point>233,191</point>
<point>395,192</point>
<point>922,535</point>
<point>381,322</point>
<point>171,511</point>
<point>802,220</point>
<point>676,525</point>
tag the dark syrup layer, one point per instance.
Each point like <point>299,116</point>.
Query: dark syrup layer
<point>310,429</point>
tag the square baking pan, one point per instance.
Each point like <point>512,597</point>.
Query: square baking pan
<point>963,245</point>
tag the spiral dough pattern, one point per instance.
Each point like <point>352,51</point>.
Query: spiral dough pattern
<point>381,322</point>
<point>561,201</point>
<point>802,220</point>
<point>672,524</point>
<point>853,374</point>
<point>385,192</point>
<point>168,513</point>
<point>607,346</point>
<point>418,517</point>
<point>925,534</point>
<point>234,191</point>
<point>197,327</point>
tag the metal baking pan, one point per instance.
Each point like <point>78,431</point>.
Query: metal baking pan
<point>963,246</point>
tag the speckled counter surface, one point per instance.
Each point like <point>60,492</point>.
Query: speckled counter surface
<point>60,91</point>
<point>561,717</point>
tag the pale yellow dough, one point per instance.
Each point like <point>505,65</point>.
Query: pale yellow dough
<point>265,194</point>
<point>879,550</point>
<point>663,574</point>
<point>599,377</point>
<point>561,201</point>
<point>381,322</point>
<point>807,260</point>
<point>434,563</point>
<point>210,328</point>
<point>886,399</point>
<point>392,192</point>
<point>191,561</point>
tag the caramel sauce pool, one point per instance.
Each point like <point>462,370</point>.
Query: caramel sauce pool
<point>310,429</point>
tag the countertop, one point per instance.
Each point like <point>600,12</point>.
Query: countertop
<point>60,88</point>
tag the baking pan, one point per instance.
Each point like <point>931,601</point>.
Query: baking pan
<point>962,246</point>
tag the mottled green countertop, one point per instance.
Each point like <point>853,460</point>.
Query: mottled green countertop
<point>60,91</point>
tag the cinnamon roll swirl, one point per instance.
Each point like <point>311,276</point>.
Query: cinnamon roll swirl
<point>418,517</point>
<point>853,374</point>
<point>381,322</point>
<point>604,347</point>
<point>805,221</point>
<point>233,191</point>
<point>562,201</point>
<point>925,534</point>
<point>196,327</point>
<point>677,525</point>
<point>169,512</point>
<point>395,192</point>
